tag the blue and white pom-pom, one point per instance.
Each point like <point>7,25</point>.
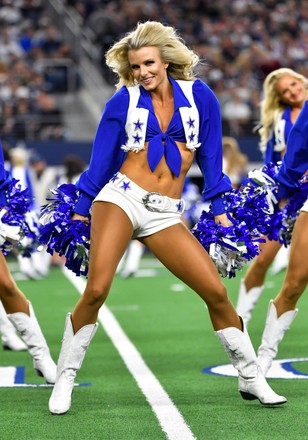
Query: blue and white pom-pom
<point>13,225</point>
<point>60,234</point>
<point>283,221</point>
<point>30,241</point>
<point>249,212</point>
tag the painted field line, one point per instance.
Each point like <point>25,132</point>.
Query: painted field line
<point>169,417</point>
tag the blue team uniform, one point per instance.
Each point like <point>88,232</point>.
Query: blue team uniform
<point>108,156</point>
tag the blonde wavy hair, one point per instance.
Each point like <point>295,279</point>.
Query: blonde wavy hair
<point>173,50</point>
<point>271,105</point>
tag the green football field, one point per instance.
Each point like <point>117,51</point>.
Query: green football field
<point>149,372</point>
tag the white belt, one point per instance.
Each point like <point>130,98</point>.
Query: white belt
<point>156,202</point>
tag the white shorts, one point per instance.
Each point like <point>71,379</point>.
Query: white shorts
<point>148,212</point>
<point>304,208</point>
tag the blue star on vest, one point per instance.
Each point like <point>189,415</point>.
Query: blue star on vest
<point>138,125</point>
<point>126,186</point>
<point>137,138</point>
<point>191,123</point>
<point>191,137</point>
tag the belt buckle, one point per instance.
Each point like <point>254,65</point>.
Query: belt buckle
<point>147,202</point>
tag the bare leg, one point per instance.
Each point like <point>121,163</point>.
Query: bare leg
<point>22,316</point>
<point>111,232</point>
<point>12,298</point>
<point>180,252</point>
<point>256,272</point>
<point>184,256</point>
<point>296,278</point>
<point>282,311</point>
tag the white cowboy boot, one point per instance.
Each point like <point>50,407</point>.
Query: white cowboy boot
<point>281,260</point>
<point>26,267</point>
<point>10,340</point>
<point>31,333</point>
<point>247,301</point>
<point>133,257</point>
<point>72,353</point>
<point>273,334</point>
<point>251,382</point>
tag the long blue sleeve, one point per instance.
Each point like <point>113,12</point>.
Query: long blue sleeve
<point>209,154</point>
<point>295,161</point>
<point>107,156</point>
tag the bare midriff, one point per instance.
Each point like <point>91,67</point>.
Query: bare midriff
<point>161,180</point>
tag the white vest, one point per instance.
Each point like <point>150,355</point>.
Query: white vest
<point>137,118</point>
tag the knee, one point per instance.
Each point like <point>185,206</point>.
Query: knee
<point>8,287</point>
<point>95,296</point>
<point>262,262</point>
<point>294,287</point>
<point>218,296</point>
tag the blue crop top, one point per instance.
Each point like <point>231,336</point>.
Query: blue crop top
<point>108,156</point>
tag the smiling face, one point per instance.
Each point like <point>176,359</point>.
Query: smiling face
<point>291,91</point>
<point>149,70</point>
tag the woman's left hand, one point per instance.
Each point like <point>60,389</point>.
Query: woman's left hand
<point>282,203</point>
<point>222,219</point>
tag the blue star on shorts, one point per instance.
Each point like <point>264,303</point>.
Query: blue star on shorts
<point>126,186</point>
<point>114,178</point>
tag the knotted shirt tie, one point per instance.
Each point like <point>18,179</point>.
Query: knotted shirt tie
<point>164,145</point>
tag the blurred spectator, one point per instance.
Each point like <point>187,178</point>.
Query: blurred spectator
<point>37,264</point>
<point>27,39</point>
<point>31,9</point>
<point>51,41</point>
<point>237,112</point>
<point>235,163</point>
<point>73,166</point>
<point>31,48</point>
<point>49,117</point>
<point>43,178</point>
<point>7,123</point>
<point>9,47</point>
<point>10,13</point>
<point>19,158</point>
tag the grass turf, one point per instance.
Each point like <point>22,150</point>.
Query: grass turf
<point>170,327</point>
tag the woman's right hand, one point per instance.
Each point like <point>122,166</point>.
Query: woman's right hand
<point>282,203</point>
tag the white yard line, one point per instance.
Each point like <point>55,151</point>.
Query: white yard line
<point>169,417</point>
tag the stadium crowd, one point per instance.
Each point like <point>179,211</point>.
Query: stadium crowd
<point>30,73</point>
<point>239,41</point>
